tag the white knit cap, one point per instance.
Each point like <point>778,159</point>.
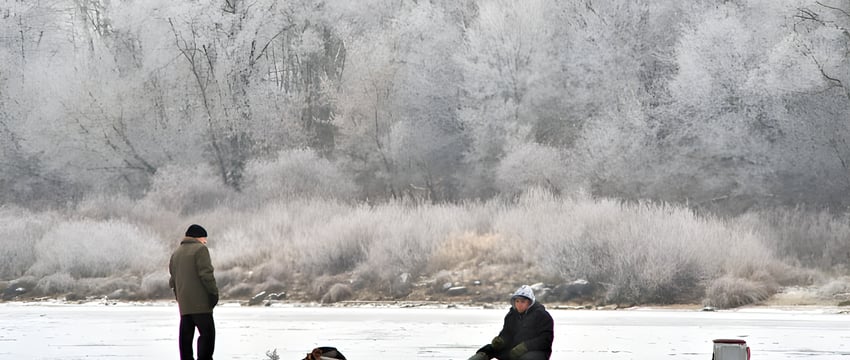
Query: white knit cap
<point>524,291</point>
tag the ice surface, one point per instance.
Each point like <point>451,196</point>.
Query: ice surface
<point>149,331</point>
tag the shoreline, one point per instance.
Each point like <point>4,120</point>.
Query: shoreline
<point>781,306</point>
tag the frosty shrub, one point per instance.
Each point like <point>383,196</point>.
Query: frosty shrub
<point>338,292</point>
<point>106,206</point>
<point>640,253</point>
<point>162,220</point>
<point>406,238</point>
<point>242,247</point>
<point>91,249</point>
<point>155,286</point>
<point>238,290</point>
<point>339,245</point>
<point>121,287</point>
<point>479,216</point>
<point>188,189</point>
<point>441,279</point>
<point>633,252</point>
<point>532,165</point>
<point>317,237</point>
<point>275,237</point>
<point>55,284</point>
<point>27,282</point>
<point>537,218</point>
<point>20,230</point>
<point>816,239</point>
<point>730,292</point>
<point>837,287</point>
<point>296,173</point>
<point>465,251</point>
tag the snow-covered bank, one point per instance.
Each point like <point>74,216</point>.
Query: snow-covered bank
<point>52,330</point>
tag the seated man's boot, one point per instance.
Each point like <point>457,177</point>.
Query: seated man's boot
<point>480,356</point>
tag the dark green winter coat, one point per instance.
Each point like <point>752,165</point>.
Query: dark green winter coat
<point>192,278</point>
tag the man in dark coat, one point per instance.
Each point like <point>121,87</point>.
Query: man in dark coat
<point>197,294</point>
<point>527,334</point>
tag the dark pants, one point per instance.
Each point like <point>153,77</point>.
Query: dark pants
<point>505,355</point>
<point>206,338</point>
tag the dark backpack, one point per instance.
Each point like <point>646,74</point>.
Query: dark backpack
<point>325,352</point>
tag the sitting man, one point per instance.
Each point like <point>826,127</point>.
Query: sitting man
<point>527,334</point>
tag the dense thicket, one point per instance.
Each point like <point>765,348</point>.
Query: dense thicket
<point>443,100</point>
<point>677,151</point>
<point>316,249</point>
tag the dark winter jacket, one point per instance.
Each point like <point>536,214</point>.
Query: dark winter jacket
<point>192,278</point>
<point>535,328</point>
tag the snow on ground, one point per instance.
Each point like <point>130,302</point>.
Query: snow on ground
<point>43,330</point>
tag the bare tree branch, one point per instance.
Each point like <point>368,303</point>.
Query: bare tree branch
<point>834,8</point>
<point>188,54</point>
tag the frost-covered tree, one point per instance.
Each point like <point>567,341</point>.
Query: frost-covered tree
<point>397,107</point>
<point>680,101</point>
<point>805,80</point>
<point>616,61</point>
<point>84,100</point>
<point>534,166</point>
<point>753,120</point>
<point>144,84</point>
<point>568,65</point>
<point>221,48</point>
<point>602,54</point>
<point>712,152</point>
<point>32,42</point>
<point>505,50</point>
<point>615,153</point>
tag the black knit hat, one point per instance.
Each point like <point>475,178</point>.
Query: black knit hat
<point>196,231</point>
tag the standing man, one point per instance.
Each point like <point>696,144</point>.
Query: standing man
<point>197,294</point>
<point>527,334</point>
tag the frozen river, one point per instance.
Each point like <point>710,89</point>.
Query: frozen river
<point>30,331</point>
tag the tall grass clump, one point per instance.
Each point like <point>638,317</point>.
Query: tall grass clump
<point>20,231</point>
<point>467,250</point>
<point>408,236</point>
<point>383,247</point>
<point>632,252</point>
<point>526,224</point>
<point>339,245</point>
<point>270,232</point>
<point>91,249</point>
<point>272,243</point>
